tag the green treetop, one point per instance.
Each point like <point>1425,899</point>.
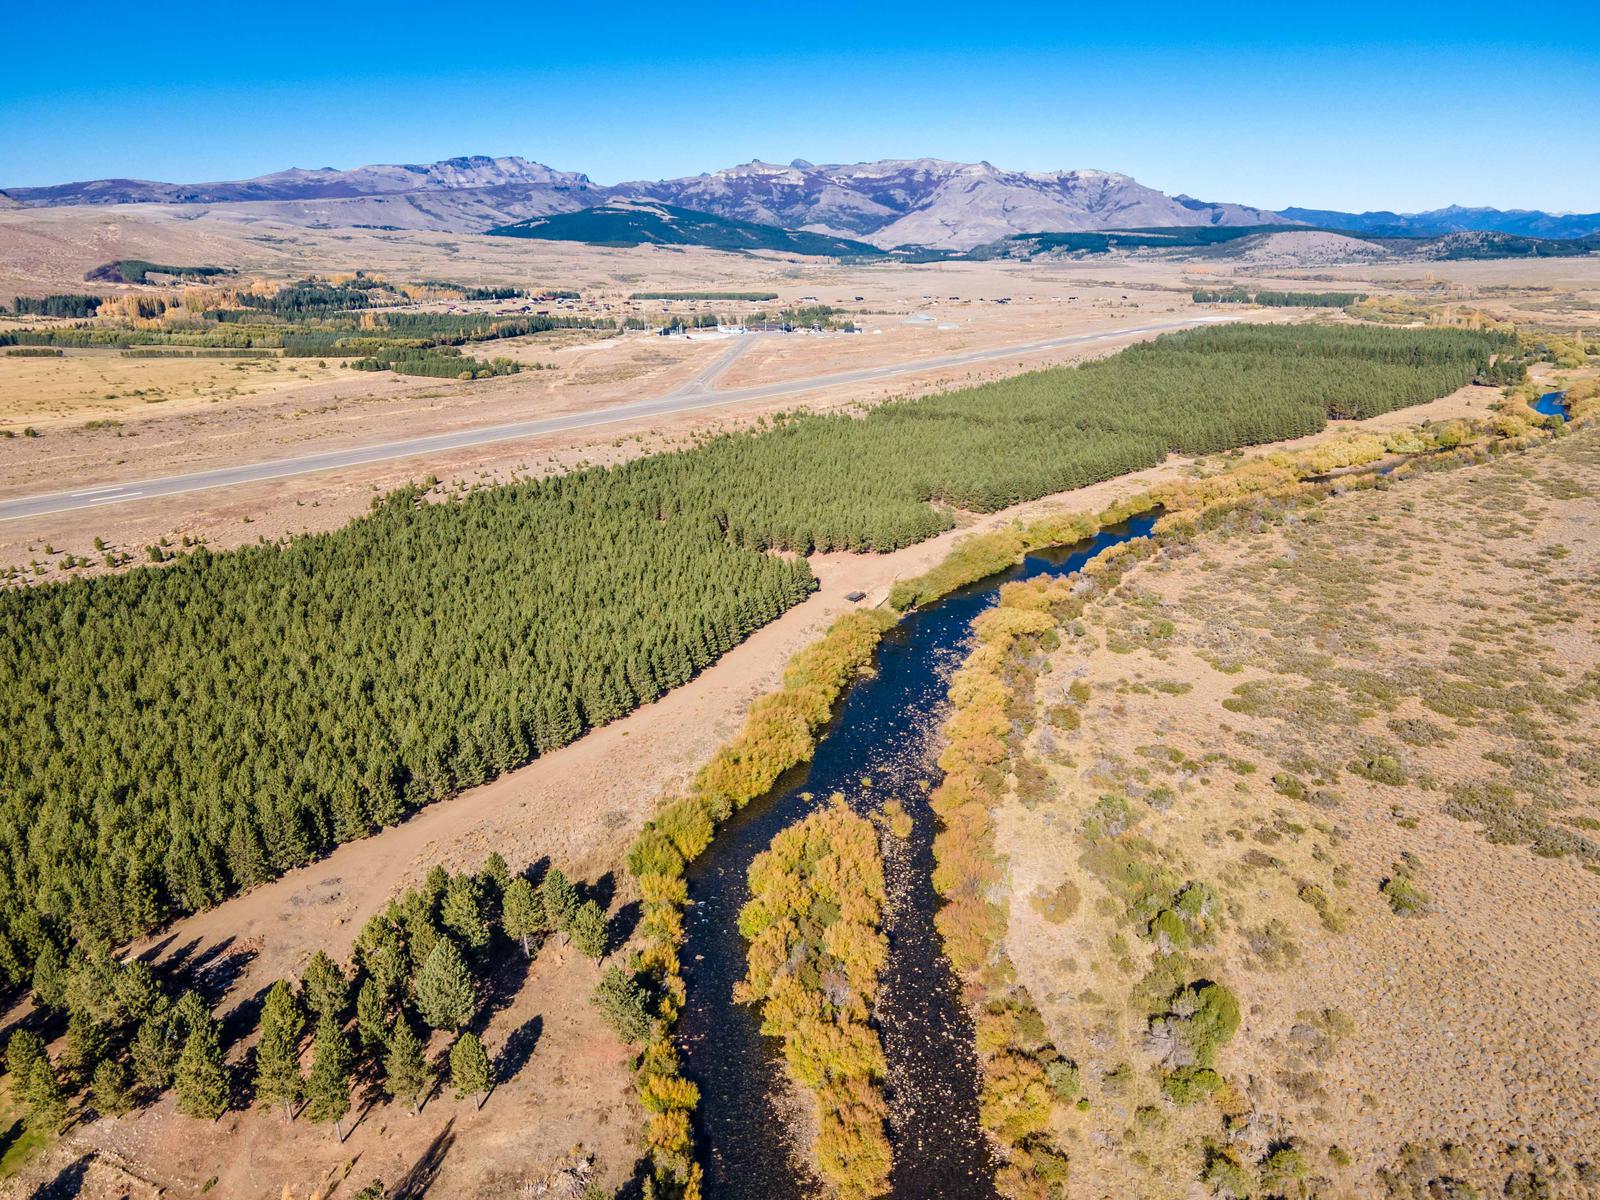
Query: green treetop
<point>328,1087</point>
<point>469,1068</point>
<point>524,916</point>
<point>446,996</point>
<point>278,1078</point>
<point>405,1068</point>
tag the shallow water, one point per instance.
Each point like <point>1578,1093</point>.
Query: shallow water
<point>1551,404</point>
<point>880,746</point>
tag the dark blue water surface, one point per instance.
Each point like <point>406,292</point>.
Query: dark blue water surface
<point>1551,404</point>
<point>885,732</point>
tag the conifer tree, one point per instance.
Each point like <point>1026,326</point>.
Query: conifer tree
<point>201,1079</point>
<point>381,951</point>
<point>461,912</point>
<point>523,917</point>
<point>494,879</point>
<point>283,1022</point>
<point>559,897</point>
<point>326,989</point>
<point>625,1005</point>
<point>247,861</point>
<point>588,929</point>
<point>49,977</point>
<point>533,630</point>
<point>155,1052</point>
<point>89,988</point>
<point>469,1068</point>
<point>111,1089</point>
<point>47,1102</point>
<point>23,1050</point>
<point>405,1068</point>
<point>138,993</point>
<point>85,1046</point>
<point>433,888</point>
<point>188,1014</point>
<point>446,995</point>
<point>372,1017</point>
<point>328,1088</point>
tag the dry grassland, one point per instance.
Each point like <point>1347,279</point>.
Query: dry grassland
<point>1367,733</point>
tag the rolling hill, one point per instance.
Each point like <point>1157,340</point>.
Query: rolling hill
<point>1289,242</point>
<point>641,222</point>
<point>1454,219</point>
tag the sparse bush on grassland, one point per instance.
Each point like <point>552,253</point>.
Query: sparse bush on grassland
<point>1405,898</point>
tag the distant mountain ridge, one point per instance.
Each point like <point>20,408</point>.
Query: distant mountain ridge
<point>935,203</point>
<point>1453,219</point>
<point>894,202</point>
<point>325,183</point>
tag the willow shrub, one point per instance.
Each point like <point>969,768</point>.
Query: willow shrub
<point>779,733</point>
<point>814,924</point>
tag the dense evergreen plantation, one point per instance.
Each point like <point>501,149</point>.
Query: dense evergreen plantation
<point>170,735</point>
<point>1238,295</point>
<point>73,305</point>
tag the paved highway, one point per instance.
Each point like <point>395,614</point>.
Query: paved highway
<point>695,395</point>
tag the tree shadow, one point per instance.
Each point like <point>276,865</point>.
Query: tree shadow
<point>67,1183</point>
<point>214,971</point>
<point>47,1023</point>
<point>602,891</point>
<point>633,1188</point>
<point>211,972</point>
<point>502,981</point>
<point>436,1082</point>
<point>415,1183</point>
<point>367,1099</point>
<point>518,1049</point>
<point>158,948</point>
<point>622,924</point>
<point>242,1019</point>
<point>9,1138</point>
<point>176,963</point>
<point>537,870</point>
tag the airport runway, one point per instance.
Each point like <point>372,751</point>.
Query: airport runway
<point>695,395</point>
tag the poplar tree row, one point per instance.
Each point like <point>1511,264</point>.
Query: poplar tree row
<point>170,736</point>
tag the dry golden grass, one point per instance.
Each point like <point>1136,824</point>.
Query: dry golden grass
<point>1368,731</point>
<point>91,385</point>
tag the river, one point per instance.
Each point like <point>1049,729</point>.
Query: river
<point>880,745</point>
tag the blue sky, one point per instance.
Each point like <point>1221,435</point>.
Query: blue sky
<point>1405,107</point>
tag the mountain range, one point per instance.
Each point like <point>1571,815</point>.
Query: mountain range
<point>898,202</point>
<point>1454,219</point>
